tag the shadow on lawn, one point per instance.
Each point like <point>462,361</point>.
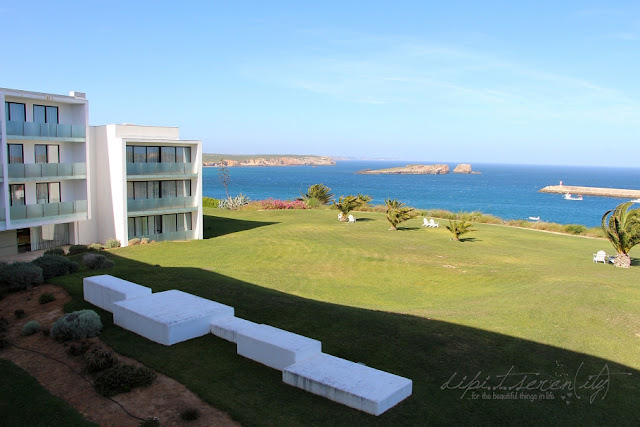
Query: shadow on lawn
<point>215,226</point>
<point>443,359</point>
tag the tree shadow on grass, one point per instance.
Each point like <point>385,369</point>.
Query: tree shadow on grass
<point>215,226</point>
<point>457,371</point>
<point>364,219</point>
<point>470,239</point>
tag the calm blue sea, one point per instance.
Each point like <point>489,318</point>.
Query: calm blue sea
<point>506,191</point>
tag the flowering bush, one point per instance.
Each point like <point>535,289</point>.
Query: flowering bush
<point>273,204</point>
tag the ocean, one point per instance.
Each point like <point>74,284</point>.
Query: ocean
<point>506,191</point>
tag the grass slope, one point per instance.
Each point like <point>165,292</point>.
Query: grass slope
<point>24,402</point>
<point>410,302</point>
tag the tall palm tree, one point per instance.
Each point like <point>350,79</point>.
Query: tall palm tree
<point>317,194</point>
<point>458,228</point>
<point>623,231</point>
<point>397,212</point>
<point>346,204</point>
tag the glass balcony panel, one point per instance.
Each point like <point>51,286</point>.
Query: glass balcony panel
<point>33,170</point>
<point>34,211</point>
<point>64,131</point>
<point>51,209</point>
<point>50,169</point>
<point>66,208</point>
<point>78,131</point>
<point>48,129</point>
<point>79,168</point>
<point>15,128</point>
<point>18,212</point>
<point>63,169</point>
<point>16,170</point>
<point>31,129</point>
<point>81,206</point>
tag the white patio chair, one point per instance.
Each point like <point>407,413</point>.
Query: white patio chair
<point>339,216</point>
<point>600,256</point>
<point>425,223</point>
<point>434,224</point>
<point>351,218</point>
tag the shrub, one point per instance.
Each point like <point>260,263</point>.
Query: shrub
<point>134,241</point>
<point>273,204</point>
<point>95,247</point>
<point>96,261</point>
<point>77,325</point>
<point>19,313</point>
<point>54,251</point>
<point>122,378</point>
<point>20,275</point>
<point>78,249</point>
<point>112,243</point>
<point>210,202</point>
<point>55,265</point>
<point>575,228</point>
<point>145,241</point>
<point>31,328</point>
<point>190,414</point>
<point>234,203</point>
<point>98,359</point>
<point>45,298</point>
<point>79,349</point>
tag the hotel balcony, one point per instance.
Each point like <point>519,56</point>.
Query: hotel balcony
<point>161,170</point>
<point>161,206</point>
<point>45,131</point>
<point>46,171</point>
<point>67,211</point>
<point>173,235</point>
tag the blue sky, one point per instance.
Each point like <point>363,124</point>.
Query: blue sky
<point>542,82</point>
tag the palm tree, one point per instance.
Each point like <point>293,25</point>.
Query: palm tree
<point>397,212</point>
<point>623,231</point>
<point>458,228</point>
<point>317,194</point>
<point>346,204</point>
<point>363,200</point>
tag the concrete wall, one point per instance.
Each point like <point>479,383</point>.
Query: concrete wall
<point>8,243</point>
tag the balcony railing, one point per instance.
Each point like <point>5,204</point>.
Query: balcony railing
<point>146,205</point>
<point>172,235</point>
<point>48,210</point>
<point>45,130</point>
<point>47,170</point>
<point>173,169</point>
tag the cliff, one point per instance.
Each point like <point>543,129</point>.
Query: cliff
<point>240,161</point>
<point>438,169</point>
<point>464,168</point>
<point>592,191</point>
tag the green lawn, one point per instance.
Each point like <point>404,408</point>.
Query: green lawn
<point>24,402</point>
<point>410,302</point>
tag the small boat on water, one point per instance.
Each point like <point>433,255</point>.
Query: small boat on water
<point>569,196</point>
<point>534,218</point>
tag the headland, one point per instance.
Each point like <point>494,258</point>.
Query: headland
<point>236,160</point>
<point>437,169</point>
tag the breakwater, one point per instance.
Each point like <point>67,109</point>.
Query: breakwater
<point>592,191</point>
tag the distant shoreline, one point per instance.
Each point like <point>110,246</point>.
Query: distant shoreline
<point>592,191</point>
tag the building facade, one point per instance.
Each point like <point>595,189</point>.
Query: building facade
<point>65,182</point>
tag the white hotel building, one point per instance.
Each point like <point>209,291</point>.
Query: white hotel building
<point>65,182</point>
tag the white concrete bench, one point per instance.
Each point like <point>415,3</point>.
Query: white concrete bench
<point>169,317</point>
<point>104,290</point>
<point>275,347</point>
<point>354,385</point>
<point>228,328</point>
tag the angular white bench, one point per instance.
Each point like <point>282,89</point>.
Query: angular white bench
<point>275,347</point>
<point>351,384</point>
<point>104,290</point>
<point>228,328</point>
<point>169,317</point>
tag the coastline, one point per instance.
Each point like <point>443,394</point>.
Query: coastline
<point>592,191</point>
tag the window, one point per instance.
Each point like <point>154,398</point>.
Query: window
<point>48,192</point>
<point>183,154</point>
<point>168,189</point>
<point>169,223</point>
<point>153,154</point>
<point>140,190</point>
<point>47,153</point>
<point>184,188</point>
<point>184,221</point>
<point>129,154</point>
<point>130,190</point>
<point>16,112</point>
<point>17,194</point>
<point>45,114</point>
<point>141,226</point>
<point>139,154</point>
<point>168,155</point>
<point>15,153</point>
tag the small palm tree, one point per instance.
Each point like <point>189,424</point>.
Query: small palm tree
<point>346,204</point>
<point>623,231</point>
<point>397,213</point>
<point>317,194</point>
<point>363,200</point>
<point>458,228</point>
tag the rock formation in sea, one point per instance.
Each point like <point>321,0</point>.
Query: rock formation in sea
<point>464,168</point>
<point>276,161</point>
<point>438,169</point>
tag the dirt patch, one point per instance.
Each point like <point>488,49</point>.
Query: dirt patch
<point>163,399</point>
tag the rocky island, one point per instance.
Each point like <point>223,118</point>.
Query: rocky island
<point>231,160</point>
<point>437,169</point>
